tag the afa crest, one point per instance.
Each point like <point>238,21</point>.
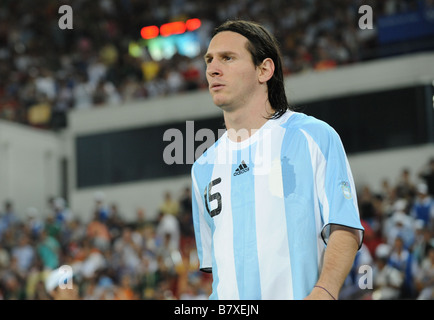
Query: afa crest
<point>346,189</point>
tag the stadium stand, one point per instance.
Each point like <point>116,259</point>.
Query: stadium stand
<point>45,72</point>
<point>114,259</point>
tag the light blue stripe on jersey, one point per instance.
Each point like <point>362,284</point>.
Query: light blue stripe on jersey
<point>203,223</point>
<point>215,282</point>
<point>245,245</point>
<point>302,225</point>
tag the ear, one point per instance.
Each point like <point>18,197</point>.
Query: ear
<point>265,70</point>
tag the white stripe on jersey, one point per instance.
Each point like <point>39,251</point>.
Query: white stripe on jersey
<point>273,251</point>
<point>318,167</point>
<point>224,237</point>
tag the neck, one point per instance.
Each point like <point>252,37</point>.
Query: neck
<point>241,123</point>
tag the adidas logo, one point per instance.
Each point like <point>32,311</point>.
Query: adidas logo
<point>241,169</point>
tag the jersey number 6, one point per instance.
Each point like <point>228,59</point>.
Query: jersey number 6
<point>208,197</point>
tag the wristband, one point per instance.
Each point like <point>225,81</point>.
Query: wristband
<point>326,291</point>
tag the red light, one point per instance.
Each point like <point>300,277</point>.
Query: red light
<point>172,28</point>
<point>149,32</point>
<point>193,24</point>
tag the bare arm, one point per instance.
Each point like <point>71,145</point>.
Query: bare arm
<point>338,260</point>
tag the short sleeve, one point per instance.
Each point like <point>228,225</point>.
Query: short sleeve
<point>202,230</point>
<point>335,185</point>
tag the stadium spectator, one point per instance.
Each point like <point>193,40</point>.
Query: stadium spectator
<point>388,280</point>
<point>405,188</point>
<point>399,225</point>
<point>402,259</point>
<point>425,278</point>
<point>8,218</point>
<point>24,254</point>
<point>128,249</point>
<point>423,243</point>
<point>98,233</point>
<point>101,209</point>
<point>168,230</point>
<point>93,263</point>
<point>169,205</point>
<point>115,223</point>
<point>323,59</point>
<point>427,175</point>
<point>82,92</point>
<point>125,290</point>
<point>34,223</point>
<point>48,249</point>
<point>423,206</point>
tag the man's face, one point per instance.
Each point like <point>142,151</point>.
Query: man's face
<point>230,71</point>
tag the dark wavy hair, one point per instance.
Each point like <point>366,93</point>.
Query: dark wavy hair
<point>261,45</point>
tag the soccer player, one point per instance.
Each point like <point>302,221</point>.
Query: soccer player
<point>274,204</point>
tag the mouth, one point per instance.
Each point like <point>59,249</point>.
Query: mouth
<point>216,86</point>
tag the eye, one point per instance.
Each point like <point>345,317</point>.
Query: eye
<point>227,58</point>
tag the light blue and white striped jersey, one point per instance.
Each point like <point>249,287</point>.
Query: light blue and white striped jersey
<point>262,207</point>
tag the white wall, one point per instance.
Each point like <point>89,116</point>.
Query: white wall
<point>368,76</point>
<point>371,168</point>
<point>29,166</point>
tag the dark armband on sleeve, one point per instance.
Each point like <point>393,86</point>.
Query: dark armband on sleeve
<point>327,230</point>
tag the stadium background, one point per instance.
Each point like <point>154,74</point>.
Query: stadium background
<point>84,110</point>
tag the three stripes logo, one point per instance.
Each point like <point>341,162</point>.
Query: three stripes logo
<point>242,168</point>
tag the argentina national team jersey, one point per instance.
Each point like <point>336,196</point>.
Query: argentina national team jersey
<point>262,208</point>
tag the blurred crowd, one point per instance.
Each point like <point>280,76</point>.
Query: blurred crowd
<point>398,246</point>
<point>112,259</point>
<point>46,71</point>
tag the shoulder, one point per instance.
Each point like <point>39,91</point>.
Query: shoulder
<point>309,127</point>
<point>298,120</point>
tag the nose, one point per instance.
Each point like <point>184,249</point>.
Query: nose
<point>213,69</point>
